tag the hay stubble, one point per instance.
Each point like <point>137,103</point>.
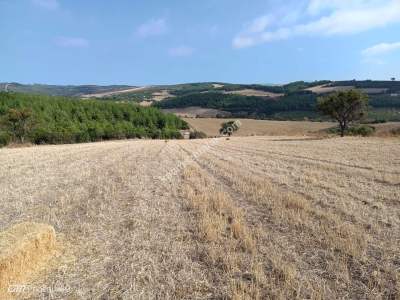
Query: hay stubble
<point>249,218</point>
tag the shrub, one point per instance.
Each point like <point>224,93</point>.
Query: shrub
<point>362,130</point>
<point>198,135</point>
<point>379,121</point>
<point>4,139</point>
<point>395,131</point>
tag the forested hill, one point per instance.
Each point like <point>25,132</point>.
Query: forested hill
<point>294,101</point>
<point>60,90</point>
<point>46,119</point>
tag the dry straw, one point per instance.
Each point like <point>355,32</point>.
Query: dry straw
<point>24,249</point>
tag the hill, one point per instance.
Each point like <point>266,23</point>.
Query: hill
<point>61,90</point>
<point>293,101</point>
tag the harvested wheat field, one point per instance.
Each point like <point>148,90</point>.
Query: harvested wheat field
<point>244,218</point>
<point>251,127</point>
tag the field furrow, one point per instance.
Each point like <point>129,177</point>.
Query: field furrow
<point>238,218</point>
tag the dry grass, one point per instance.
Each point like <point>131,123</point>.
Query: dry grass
<point>257,93</point>
<point>386,129</point>
<point>161,95</point>
<point>324,89</point>
<point>228,248</point>
<point>24,249</point>
<point>260,127</point>
<point>107,94</point>
<point>247,218</point>
<point>196,111</point>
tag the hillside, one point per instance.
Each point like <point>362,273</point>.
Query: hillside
<point>61,90</point>
<point>293,101</point>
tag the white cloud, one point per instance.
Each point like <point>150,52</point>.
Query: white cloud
<point>48,4</point>
<point>152,27</point>
<point>336,17</point>
<point>72,42</point>
<point>259,24</point>
<point>181,51</point>
<point>381,49</point>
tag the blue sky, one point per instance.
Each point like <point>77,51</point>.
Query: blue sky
<point>175,41</point>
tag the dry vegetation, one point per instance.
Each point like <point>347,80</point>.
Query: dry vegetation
<point>196,111</point>
<point>324,89</point>
<point>257,93</point>
<point>161,95</point>
<point>25,249</point>
<point>244,218</point>
<point>107,94</point>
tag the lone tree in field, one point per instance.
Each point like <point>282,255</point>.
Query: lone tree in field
<point>345,107</point>
<point>19,123</point>
<point>228,128</point>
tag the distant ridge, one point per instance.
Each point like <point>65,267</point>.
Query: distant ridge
<point>60,90</point>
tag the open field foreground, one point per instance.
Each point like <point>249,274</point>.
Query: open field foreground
<point>245,218</point>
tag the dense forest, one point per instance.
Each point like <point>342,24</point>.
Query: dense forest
<point>280,89</point>
<point>391,86</point>
<point>240,105</point>
<point>52,120</point>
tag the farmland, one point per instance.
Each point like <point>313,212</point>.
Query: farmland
<point>248,217</point>
<point>211,127</point>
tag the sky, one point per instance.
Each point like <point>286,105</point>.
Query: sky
<point>176,41</point>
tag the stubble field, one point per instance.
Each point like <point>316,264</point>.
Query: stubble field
<point>244,218</point>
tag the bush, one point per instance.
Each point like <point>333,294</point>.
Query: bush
<point>378,121</point>
<point>4,139</point>
<point>395,131</point>
<point>362,130</point>
<point>198,135</point>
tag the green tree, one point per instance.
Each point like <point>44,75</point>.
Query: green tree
<point>228,128</point>
<point>19,123</point>
<point>344,106</point>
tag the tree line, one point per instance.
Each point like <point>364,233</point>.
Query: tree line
<point>244,106</point>
<point>44,119</point>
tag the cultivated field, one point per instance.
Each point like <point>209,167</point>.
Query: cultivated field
<point>244,218</point>
<point>257,93</point>
<point>196,111</point>
<point>107,94</point>
<point>211,127</point>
